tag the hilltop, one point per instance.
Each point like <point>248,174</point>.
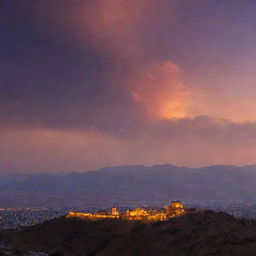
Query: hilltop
<point>195,234</point>
<point>128,184</point>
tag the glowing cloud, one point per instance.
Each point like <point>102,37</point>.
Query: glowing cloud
<point>159,88</point>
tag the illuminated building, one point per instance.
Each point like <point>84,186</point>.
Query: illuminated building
<point>176,208</point>
<point>114,211</point>
<point>177,205</point>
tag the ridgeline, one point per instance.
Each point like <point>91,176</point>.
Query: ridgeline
<point>131,184</point>
<point>194,234</point>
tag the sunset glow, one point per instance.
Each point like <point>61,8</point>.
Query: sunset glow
<point>100,83</point>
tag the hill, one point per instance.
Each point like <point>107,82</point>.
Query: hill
<point>131,183</point>
<point>197,234</point>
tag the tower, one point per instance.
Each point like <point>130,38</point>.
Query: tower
<point>177,205</point>
<point>114,211</point>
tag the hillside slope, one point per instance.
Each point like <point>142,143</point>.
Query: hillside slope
<point>204,233</point>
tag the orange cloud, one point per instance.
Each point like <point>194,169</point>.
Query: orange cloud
<point>159,87</point>
<point>156,85</point>
<point>116,28</point>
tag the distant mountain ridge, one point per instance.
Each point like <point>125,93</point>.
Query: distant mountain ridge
<point>126,183</point>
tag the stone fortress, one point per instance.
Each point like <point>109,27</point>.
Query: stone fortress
<point>175,209</point>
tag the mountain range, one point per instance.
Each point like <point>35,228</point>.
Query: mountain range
<point>129,184</point>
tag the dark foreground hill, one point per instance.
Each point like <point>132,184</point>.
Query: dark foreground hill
<point>130,183</point>
<point>197,234</point>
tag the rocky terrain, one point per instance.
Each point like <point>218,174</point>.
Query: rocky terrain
<point>194,234</point>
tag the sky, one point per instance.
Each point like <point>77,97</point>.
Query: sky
<point>87,84</point>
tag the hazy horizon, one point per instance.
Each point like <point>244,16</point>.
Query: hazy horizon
<point>112,167</point>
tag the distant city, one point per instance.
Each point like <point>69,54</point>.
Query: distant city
<point>26,216</point>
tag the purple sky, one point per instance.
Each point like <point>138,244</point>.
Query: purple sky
<point>86,84</point>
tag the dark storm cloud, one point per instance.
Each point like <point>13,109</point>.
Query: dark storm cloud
<point>63,72</point>
<point>78,64</point>
<point>51,83</point>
